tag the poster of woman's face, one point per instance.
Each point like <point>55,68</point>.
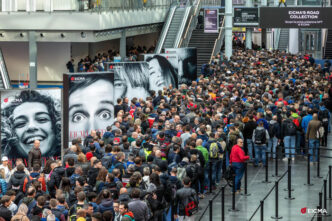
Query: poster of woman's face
<point>29,115</point>
<point>187,65</point>
<point>88,103</point>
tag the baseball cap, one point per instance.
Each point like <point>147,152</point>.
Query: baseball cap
<point>4,158</point>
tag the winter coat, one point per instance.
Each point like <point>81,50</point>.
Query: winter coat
<point>16,181</point>
<point>92,175</point>
<point>183,195</point>
<point>312,129</point>
<point>139,209</point>
<point>106,205</point>
<point>249,128</point>
<point>34,157</point>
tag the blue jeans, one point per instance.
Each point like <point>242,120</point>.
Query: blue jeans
<point>214,173</point>
<point>273,143</point>
<point>313,147</point>
<point>239,171</point>
<point>289,142</point>
<point>298,142</point>
<point>250,147</point>
<point>219,171</point>
<point>260,151</point>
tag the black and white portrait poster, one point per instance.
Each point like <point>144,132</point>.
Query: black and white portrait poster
<point>88,104</point>
<point>187,65</point>
<point>138,79</point>
<point>29,115</point>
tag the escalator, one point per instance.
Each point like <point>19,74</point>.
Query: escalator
<point>4,79</point>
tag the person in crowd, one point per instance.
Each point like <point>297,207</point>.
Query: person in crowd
<point>22,213</point>
<point>260,138</point>
<point>5,213</point>
<point>5,167</point>
<point>237,160</point>
<point>312,138</point>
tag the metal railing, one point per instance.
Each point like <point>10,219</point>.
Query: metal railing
<point>192,25</point>
<point>165,30</point>
<point>4,73</point>
<point>219,41</point>
<point>183,24</point>
<point>83,5</point>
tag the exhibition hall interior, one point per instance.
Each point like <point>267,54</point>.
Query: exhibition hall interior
<point>165,110</point>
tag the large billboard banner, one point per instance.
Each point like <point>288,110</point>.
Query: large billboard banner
<point>244,17</point>
<point>186,67</point>
<point>29,115</point>
<point>88,104</point>
<point>295,17</point>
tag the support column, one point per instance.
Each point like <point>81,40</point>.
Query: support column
<point>228,28</point>
<point>264,3</point>
<point>123,45</point>
<point>91,52</point>
<point>249,3</point>
<point>32,60</point>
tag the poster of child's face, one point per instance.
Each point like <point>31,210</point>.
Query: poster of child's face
<point>29,115</point>
<point>89,105</point>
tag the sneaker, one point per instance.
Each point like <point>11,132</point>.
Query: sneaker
<point>285,159</point>
<point>293,158</point>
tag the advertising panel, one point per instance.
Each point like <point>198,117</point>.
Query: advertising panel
<point>187,64</point>
<point>88,104</point>
<point>295,17</point>
<point>211,21</point>
<point>29,115</point>
<point>244,17</point>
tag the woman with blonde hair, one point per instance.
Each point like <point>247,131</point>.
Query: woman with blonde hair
<point>21,213</point>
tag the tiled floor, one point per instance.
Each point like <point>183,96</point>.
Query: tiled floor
<point>290,210</point>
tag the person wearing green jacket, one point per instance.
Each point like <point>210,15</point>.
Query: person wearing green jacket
<point>204,151</point>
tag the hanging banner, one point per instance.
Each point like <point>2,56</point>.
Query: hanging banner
<point>187,64</point>
<point>88,104</point>
<point>29,115</point>
<point>211,23</point>
<point>246,17</point>
<point>295,17</point>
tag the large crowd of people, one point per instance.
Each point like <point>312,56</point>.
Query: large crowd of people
<point>155,159</point>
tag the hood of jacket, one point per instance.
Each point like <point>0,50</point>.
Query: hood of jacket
<point>60,171</point>
<point>106,203</point>
<point>124,197</point>
<point>295,115</point>
<point>107,134</point>
<point>27,200</point>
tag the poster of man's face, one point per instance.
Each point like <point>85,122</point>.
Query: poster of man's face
<point>187,65</point>
<point>88,104</point>
<point>29,115</point>
<point>130,79</point>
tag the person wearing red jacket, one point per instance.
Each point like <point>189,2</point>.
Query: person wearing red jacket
<point>237,159</point>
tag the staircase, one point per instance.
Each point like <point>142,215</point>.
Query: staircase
<point>4,77</point>
<point>173,28</point>
<point>204,42</point>
<point>328,45</point>
<point>283,39</point>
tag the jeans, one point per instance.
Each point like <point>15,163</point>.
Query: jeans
<point>218,171</point>
<point>273,143</point>
<point>250,147</point>
<point>214,173</point>
<point>313,147</point>
<point>298,142</point>
<point>289,142</point>
<point>239,171</point>
<point>260,151</point>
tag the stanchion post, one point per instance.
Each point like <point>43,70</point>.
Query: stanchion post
<point>276,162</point>
<point>245,181</point>
<point>325,194</point>
<point>211,211</point>
<point>223,203</point>
<point>233,197</point>
<point>318,164</point>
<point>262,210</point>
<point>308,171</point>
<point>276,202</point>
<point>330,183</point>
<point>289,181</point>
<point>210,175</point>
<point>320,200</point>
<point>266,169</point>
<point>319,217</point>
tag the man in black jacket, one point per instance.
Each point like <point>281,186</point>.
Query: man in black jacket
<point>56,178</point>
<point>185,196</point>
<point>93,172</point>
<point>4,211</point>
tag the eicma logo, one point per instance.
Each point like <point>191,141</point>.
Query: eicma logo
<point>77,79</point>
<point>12,99</point>
<point>306,210</point>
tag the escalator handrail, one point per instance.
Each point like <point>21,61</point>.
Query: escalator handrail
<point>218,41</point>
<point>182,26</point>
<point>4,73</point>
<point>165,29</point>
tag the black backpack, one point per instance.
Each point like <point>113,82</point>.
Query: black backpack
<point>260,136</point>
<point>291,127</point>
<point>324,116</point>
<point>273,130</point>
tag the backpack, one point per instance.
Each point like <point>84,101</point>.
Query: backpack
<point>273,130</point>
<point>21,186</point>
<point>324,116</point>
<point>291,128</point>
<point>320,132</point>
<point>214,150</point>
<point>191,207</point>
<point>73,211</point>
<point>110,170</point>
<point>107,161</point>
<point>148,205</point>
<point>170,191</point>
<point>182,173</point>
<point>260,136</point>
<point>191,171</point>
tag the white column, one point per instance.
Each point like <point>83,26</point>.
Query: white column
<point>228,28</point>
<point>249,30</point>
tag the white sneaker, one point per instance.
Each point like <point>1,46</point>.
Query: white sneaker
<point>293,158</point>
<point>285,159</point>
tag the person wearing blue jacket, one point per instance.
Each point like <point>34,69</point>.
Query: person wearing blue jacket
<point>324,116</point>
<point>306,120</point>
<point>3,183</point>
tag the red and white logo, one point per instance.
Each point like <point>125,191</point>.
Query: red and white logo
<point>77,78</point>
<point>12,99</point>
<point>320,212</point>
